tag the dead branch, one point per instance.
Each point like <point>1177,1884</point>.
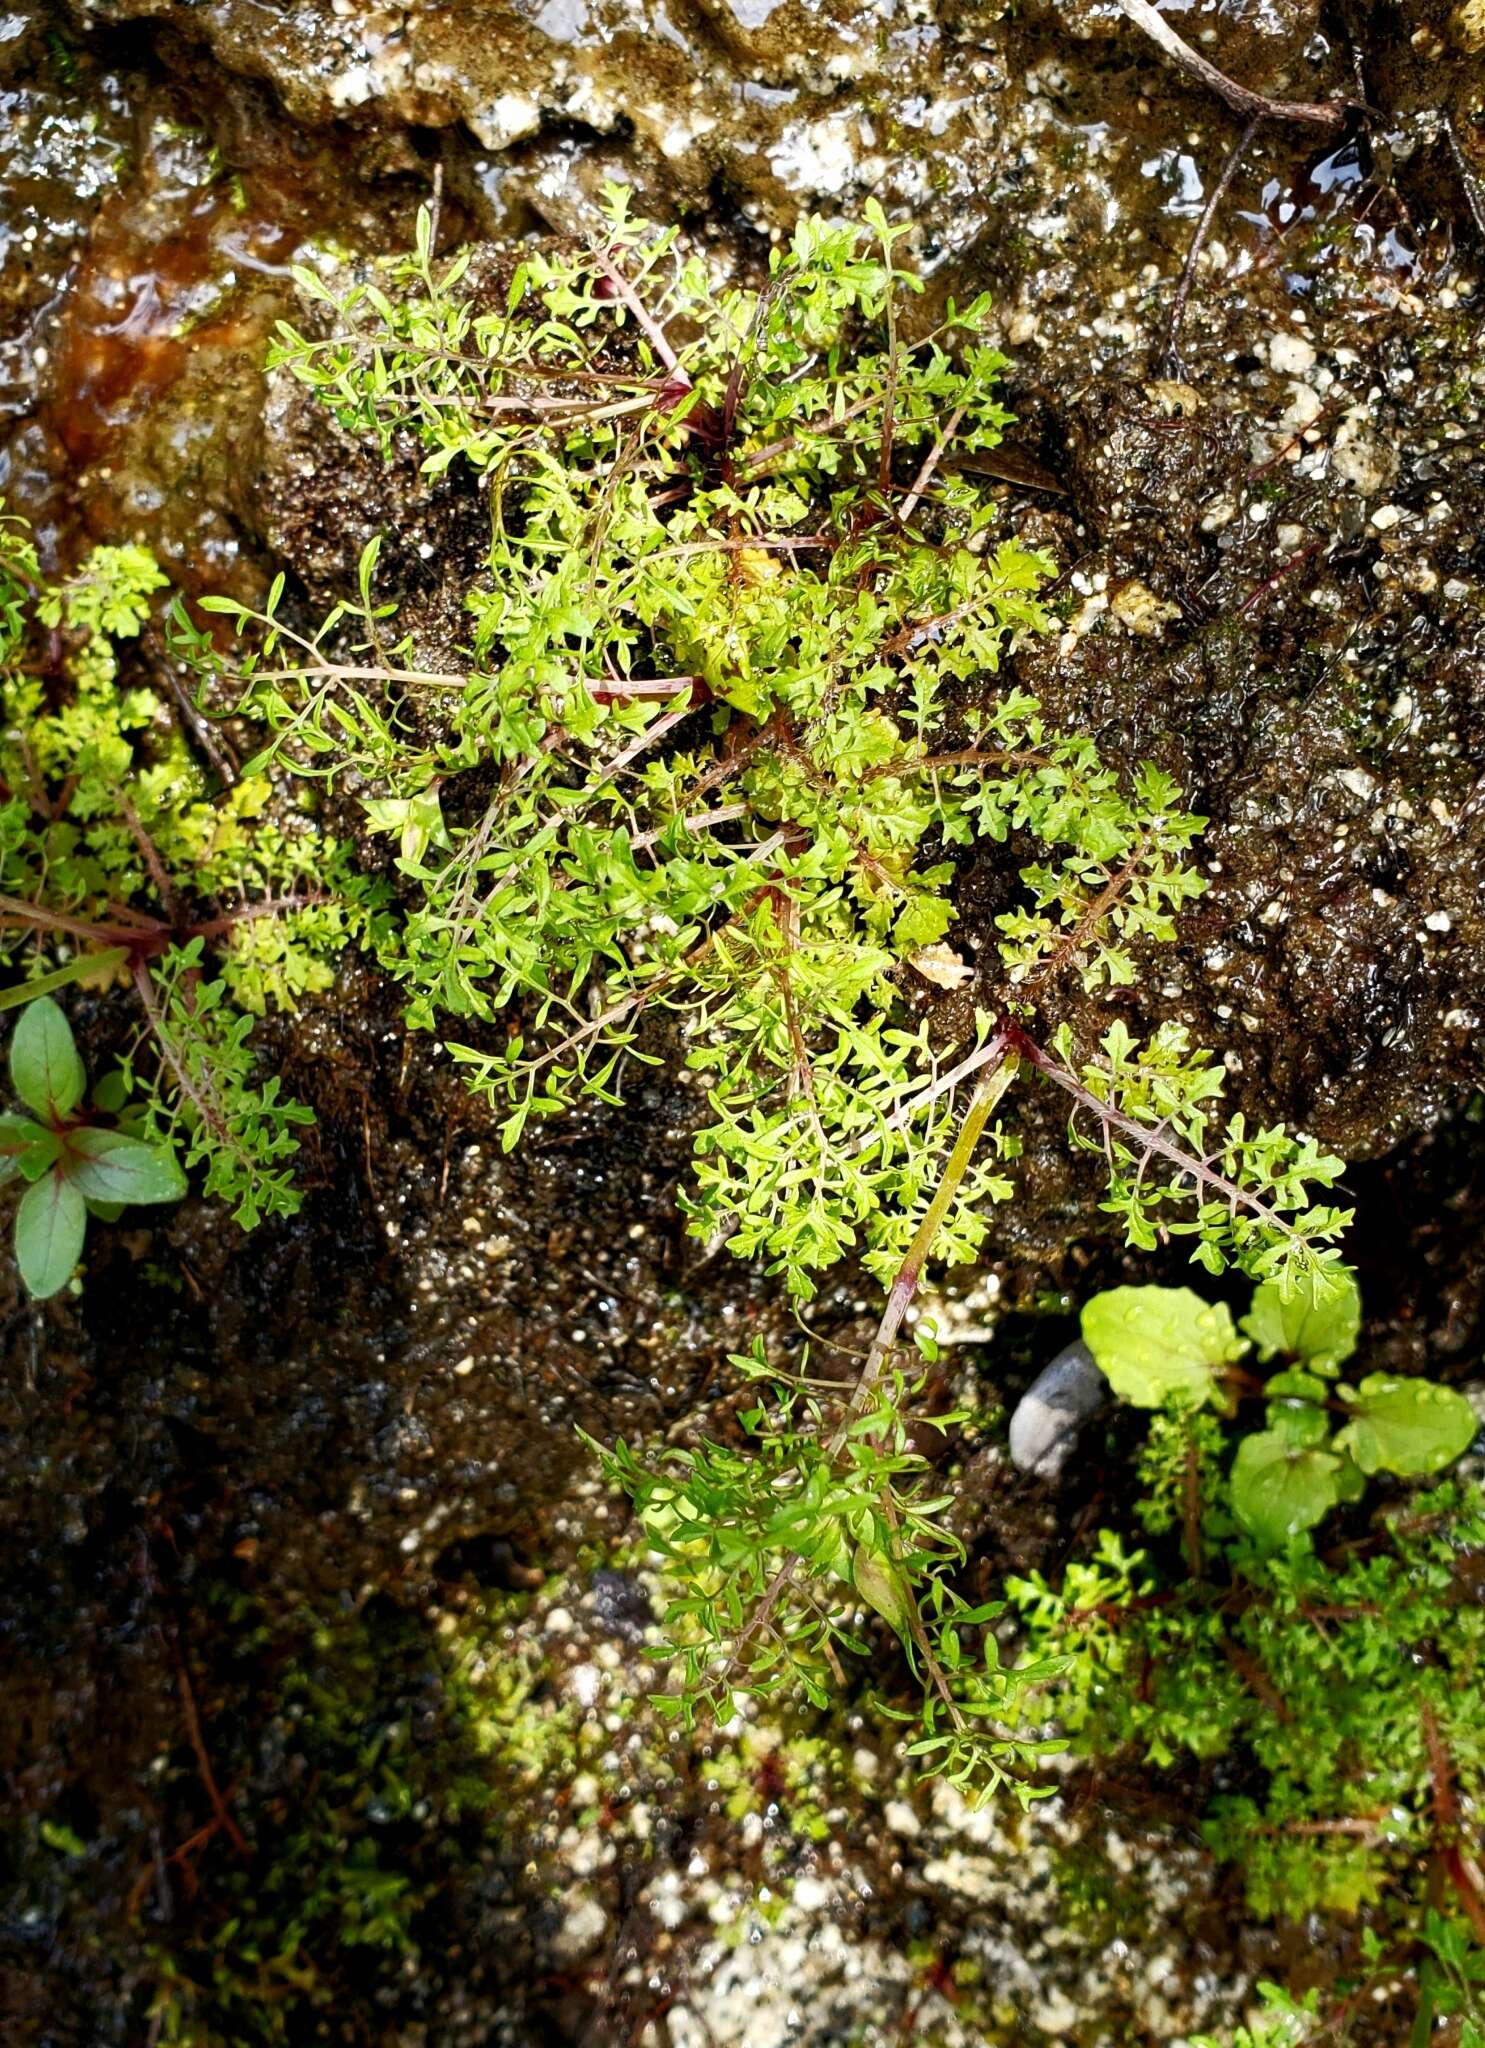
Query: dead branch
<point>1327,114</point>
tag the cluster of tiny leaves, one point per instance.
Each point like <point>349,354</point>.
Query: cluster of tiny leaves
<point>203,1092</point>
<point>114,846</point>
<point>727,714</point>
<point>1340,1682</point>
<point>783,1548</point>
<point>1245,1196</point>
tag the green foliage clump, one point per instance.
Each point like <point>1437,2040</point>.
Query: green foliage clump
<point>1159,1345</point>
<point>727,720</point>
<point>124,859</point>
<point>75,1163</point>
<point>778,1545</point>
<point>1340,1687</point>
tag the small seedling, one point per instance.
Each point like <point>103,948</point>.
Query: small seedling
<point>1159,1345</point>
<point>1339,1680</point>
<point>73,1164</point>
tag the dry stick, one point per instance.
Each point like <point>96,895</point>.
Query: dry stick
<point>1327,114</point>
<point>1168,354</point>
<point>1470,179</point>
<point>203,1761</point>
<point>164,888</point>
<point>644,319</point>
<point>930,463</point>
<point>205,1109</point>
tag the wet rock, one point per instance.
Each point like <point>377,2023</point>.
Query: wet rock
<point>583,1928</point>
<point>620,1605</point>
<point>1052,1412</point>
<point>739,91</point>
<point>1144,452</point>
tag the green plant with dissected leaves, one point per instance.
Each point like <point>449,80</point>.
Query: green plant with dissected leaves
<point>1285,2022</point>
<point>779,1544</point>
<point>124,859</point>
<point>728,720</point>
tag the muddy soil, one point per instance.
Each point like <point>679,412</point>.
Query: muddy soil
<point>325,1661</point>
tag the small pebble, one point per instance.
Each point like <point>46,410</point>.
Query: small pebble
<point>1052,1411</point>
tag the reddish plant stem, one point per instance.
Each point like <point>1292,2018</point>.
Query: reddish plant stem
<point>1271,582</point>
<point>205,1109</point>
<point>139,937</point>
<point>1149,1141</point>
<point>207,1775</point>
<point>643,318</point>
<point>149,852</point>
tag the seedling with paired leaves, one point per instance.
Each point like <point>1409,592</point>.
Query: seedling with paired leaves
<point>1165,1346</point>
<point>74,1164</point>
<point>1344,1683</point>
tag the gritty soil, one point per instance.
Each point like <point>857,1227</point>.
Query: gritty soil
<point>298,1529</point>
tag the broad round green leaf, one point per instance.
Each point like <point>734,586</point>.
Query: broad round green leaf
<point>107,1166</point>
<point>1154,1342</point>
<point>1406,1426</point>
<point>1319,1319</point>
<point>44,1062</point>
<point>1279,1489</point>
<point>49,1227</point>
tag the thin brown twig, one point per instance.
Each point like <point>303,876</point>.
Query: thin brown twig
<point>164,887</point>
<point>643,318</point>
<point>1169,354</point>
<point>207,1110</point>
<point>930,463</point>
<point>1199,1171</point>
<point>219,1805</point>
<point>1327,114</point>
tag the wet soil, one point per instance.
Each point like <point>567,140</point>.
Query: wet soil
<point>324,1659</point>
